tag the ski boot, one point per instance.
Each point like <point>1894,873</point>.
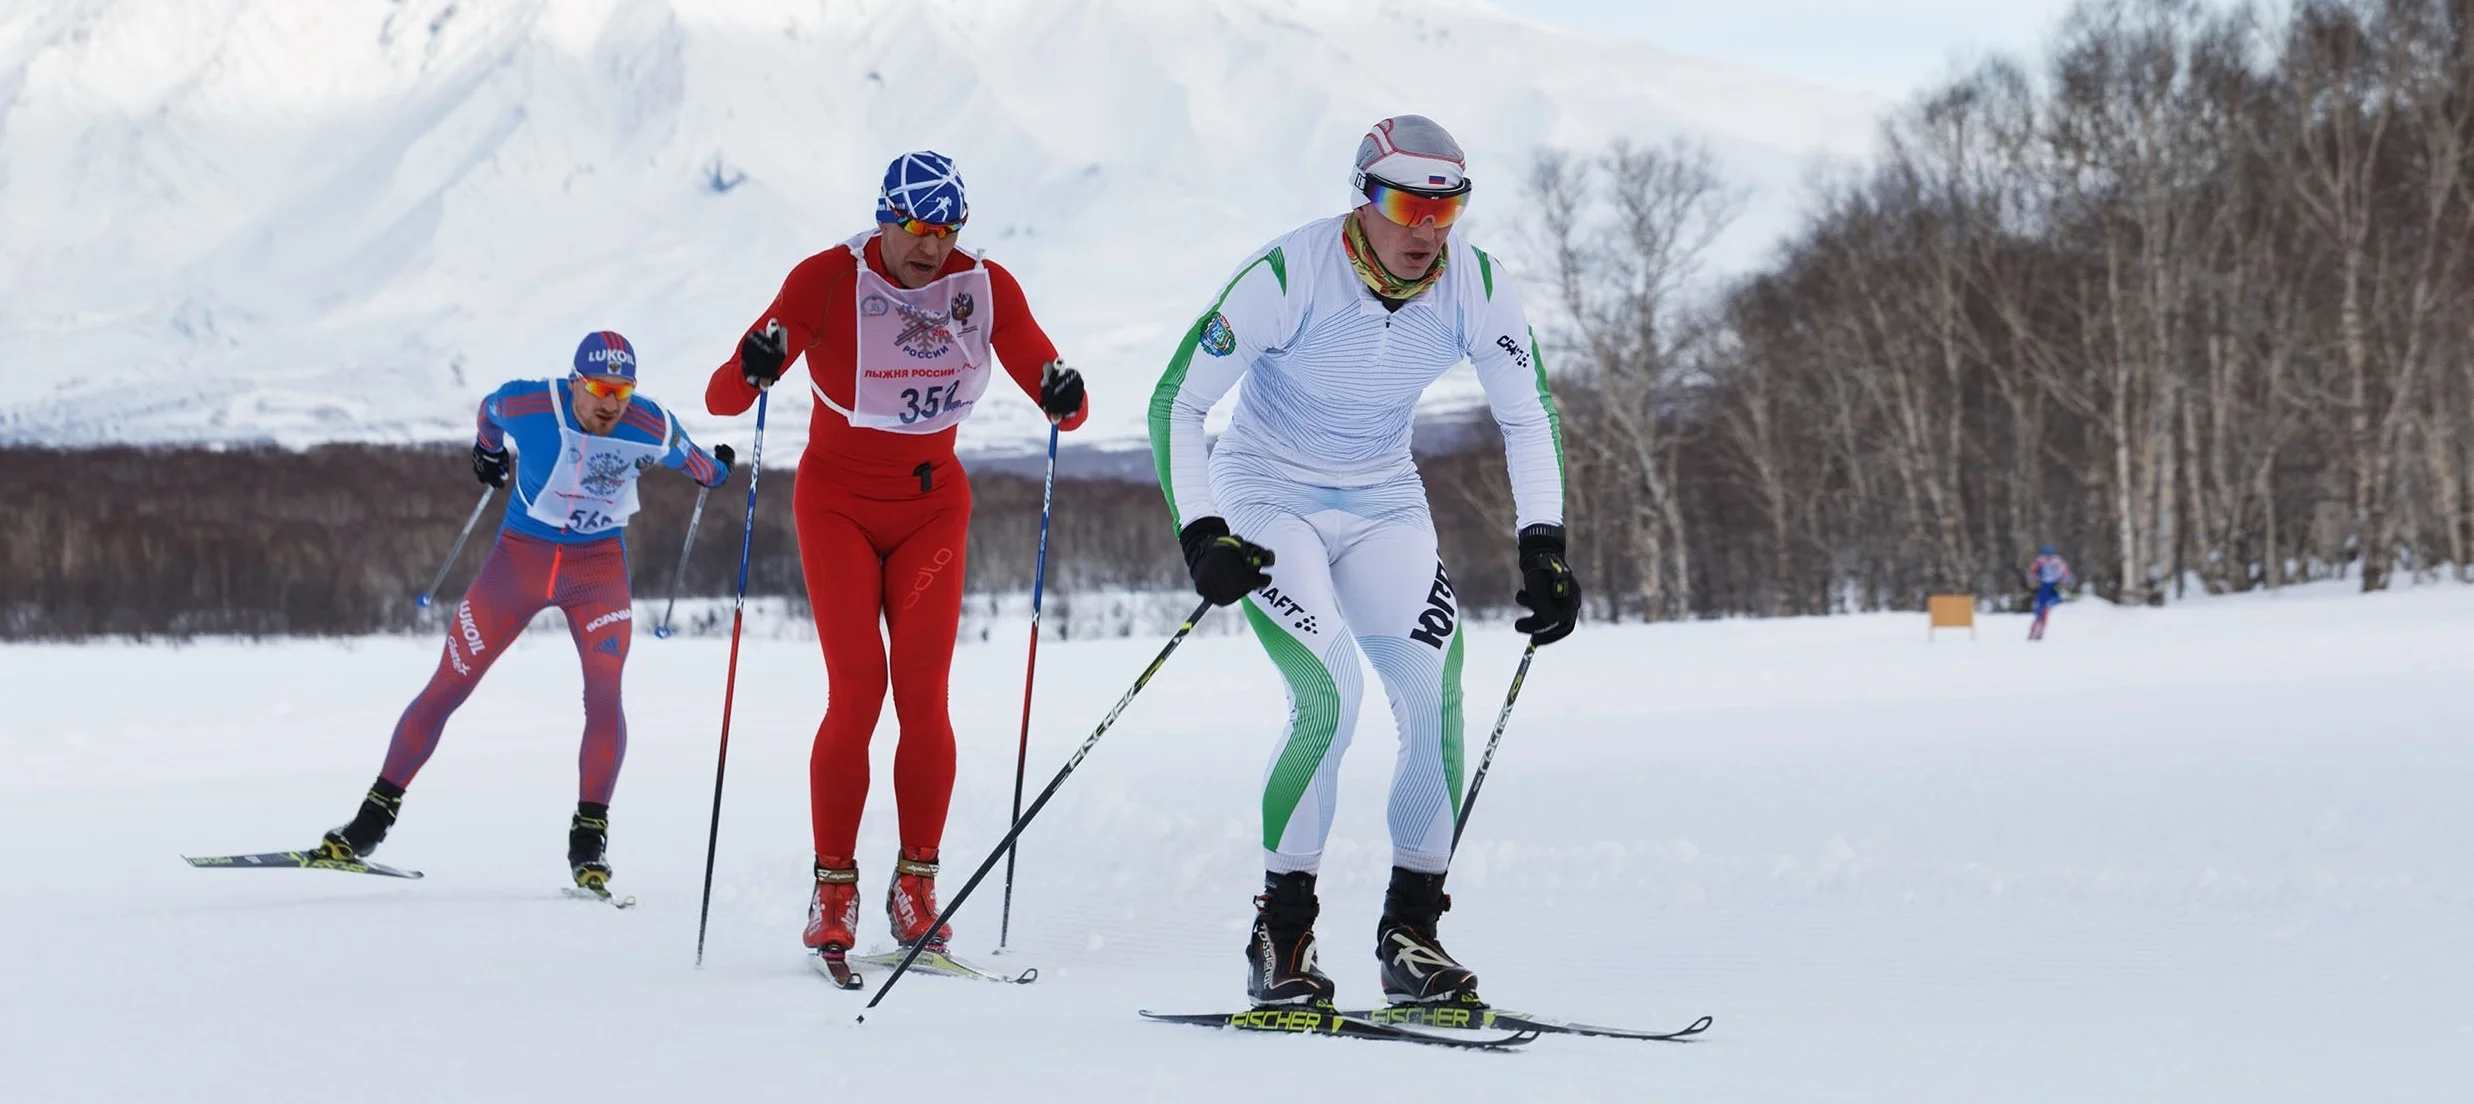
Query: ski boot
<point>833,917</point>
<point>1281,971</point>
<point>910,902</point>
<point>350,842</point>
<point>588,846</point>
<point>1415,967</point>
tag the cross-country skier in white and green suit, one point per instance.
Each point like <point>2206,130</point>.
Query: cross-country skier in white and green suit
<point>1310,509</point>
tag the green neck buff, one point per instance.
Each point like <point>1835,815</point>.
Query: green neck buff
<point>1370,268</point>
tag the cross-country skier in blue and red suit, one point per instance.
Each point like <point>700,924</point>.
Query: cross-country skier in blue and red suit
<point>2049,574</point>
<point>580,443</point>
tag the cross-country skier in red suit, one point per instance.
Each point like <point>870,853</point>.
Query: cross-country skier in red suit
<point>898,327</point>
<point>579,444</point>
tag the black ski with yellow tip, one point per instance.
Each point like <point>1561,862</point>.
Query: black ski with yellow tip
<point>304,860</point>
<point>1326,1021</point>
<point>1456,1017</point>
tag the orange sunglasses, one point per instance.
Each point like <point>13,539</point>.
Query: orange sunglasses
<point>919,229</point>
<point>600,388</point>
<point>1409,208</point>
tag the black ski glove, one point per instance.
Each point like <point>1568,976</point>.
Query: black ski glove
<point>1060,391</point>
<point>762,354</point>
<point>1225,568</point>
<point>725,456</point>
<point>489,465</point>
<point>1548,588</point>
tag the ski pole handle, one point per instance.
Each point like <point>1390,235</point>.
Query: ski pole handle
<point>662,631</point>
<point>439,579</point>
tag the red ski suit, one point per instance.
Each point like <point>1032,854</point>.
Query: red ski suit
<point>883,523</point>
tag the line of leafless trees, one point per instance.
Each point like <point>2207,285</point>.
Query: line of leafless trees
<point>2192,303</point>
<point>338,539</point>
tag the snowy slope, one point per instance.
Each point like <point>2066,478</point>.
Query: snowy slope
<point>233,220</point>
<point>2216,852</point>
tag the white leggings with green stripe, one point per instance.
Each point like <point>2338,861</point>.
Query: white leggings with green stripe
<point>1346,582</point>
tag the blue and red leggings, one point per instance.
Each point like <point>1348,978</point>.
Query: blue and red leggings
<point>523,576</point>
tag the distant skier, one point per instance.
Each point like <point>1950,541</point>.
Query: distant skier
<point>898,327</point>
<point>579,444</point>
<point>1311,509</point>
<point>2049,574</point>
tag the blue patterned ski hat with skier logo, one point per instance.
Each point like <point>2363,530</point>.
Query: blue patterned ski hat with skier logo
<point>607,355</point>
<point>923,186</point>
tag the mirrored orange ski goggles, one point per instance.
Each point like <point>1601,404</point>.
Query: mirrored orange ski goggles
<point>918,229</point>
<point>1409,208</point>
<point>600,388</point>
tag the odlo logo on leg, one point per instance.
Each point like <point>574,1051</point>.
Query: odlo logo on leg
<point>1434,623</point>
<point>926,577</point>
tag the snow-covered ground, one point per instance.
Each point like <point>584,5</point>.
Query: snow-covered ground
<point>2218,852</point>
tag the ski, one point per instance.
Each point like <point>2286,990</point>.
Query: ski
<point>1322,1021</point>
<point>1477,1019</point>
<point>306,860</point>
<point>946,965</point>
<point>604,896</point>
<point>836,969</point>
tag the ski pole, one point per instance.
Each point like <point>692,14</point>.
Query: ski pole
<point>1030,665</point>
<point>1488,760</point>
<point>1037,804</point>
<point>436,580</point>
<point>662,631</point>
<point>730,687</point>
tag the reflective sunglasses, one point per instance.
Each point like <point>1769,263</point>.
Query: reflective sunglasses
<point>918,229</point>
<point>600,388</point>
<point>1409,207</point>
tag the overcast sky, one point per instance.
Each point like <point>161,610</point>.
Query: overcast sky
<point>1885,47</point>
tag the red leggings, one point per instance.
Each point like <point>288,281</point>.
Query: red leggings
<point>874,549</point>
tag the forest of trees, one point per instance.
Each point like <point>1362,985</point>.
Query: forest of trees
<point>2190,299</point>
<point>2190,302</point>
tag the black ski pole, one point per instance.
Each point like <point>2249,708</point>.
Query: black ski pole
<point>437,580</point>
<point>1037,804</point>
<point>730,686</point>
<point>662,631</point>
<point>1501,719</point>
<point>1030,667</point>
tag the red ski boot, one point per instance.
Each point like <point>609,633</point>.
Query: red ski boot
<point>910,903</point>
<point>832,916</point>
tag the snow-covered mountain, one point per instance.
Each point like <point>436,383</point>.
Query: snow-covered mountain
<point>250,220</point>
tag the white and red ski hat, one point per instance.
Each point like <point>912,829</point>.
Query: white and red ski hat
<point>1412,151</point>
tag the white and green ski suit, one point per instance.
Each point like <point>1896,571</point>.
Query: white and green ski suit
<point>1316,467</point>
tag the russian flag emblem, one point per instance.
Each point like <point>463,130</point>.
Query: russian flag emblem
<point>1437,181</point>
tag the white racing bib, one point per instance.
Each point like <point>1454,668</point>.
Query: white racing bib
<point>923,357</point>
<point>592,488</point>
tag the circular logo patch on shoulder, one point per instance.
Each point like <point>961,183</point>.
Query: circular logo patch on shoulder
<point>1218,339</point>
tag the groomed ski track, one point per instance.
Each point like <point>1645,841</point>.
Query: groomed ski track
<point>2212,852</point>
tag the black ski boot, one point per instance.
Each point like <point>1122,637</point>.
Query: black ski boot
<point>369,825</point>
<point>1280,962</point>
<point>588,845</point>
<point>1415,967</point>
